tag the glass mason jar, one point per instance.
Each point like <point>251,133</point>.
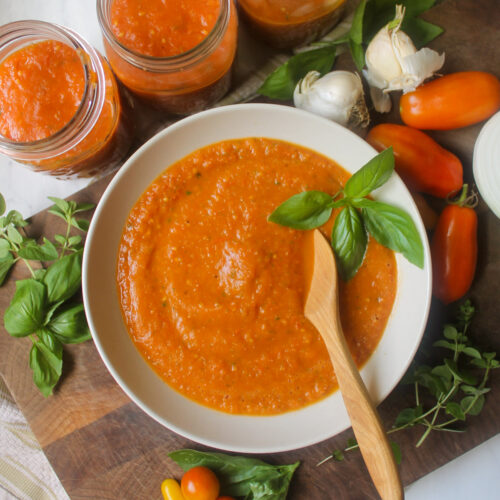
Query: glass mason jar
<point>61,109</point>
<point>289,23</point>
<point>181,83</point>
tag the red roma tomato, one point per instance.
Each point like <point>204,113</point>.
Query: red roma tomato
<point>452,101</point>
<point>200,483</point>
<point>454,251</point>
<point>422,163</point>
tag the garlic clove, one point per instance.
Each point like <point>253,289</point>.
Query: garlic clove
<point>422,65</point>
<point>381,100</point>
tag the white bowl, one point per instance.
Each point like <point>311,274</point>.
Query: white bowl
<point>246,434</point>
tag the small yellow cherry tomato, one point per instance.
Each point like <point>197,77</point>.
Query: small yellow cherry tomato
<point>171,490</point>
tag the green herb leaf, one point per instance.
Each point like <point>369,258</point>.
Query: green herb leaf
<point>450,332</point>
<point>393,228</point>
<point>46,363</point>
<point>3,206</point>
<point>14,217</point>
<point>472,405</point>
<point>70,326</point>
<point>421,32</point>
<point>472,352</point>
<point>355,36</point>
<point>58,212</point>
<point>5,265</point>
<point>81,224</point>
<point>305,210</point>
<point>349,241</point>
<point>4,249</point>
<point>371,176</point>
<point>26,311</point>
<point>240,476</point>
<point>63,277</point>
<point>455,410</point>
<point>14,235</point>
<point>281,83</point>
<point>62,205</point>
<point>460,374</point>
<point>396,451</point>
<point>83,207</point>
<point>407,416</point>
<point>32,251</point>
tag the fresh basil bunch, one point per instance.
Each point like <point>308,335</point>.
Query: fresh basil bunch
<point>248,478</point>
<point>42,307</point>
<point>359,215</point>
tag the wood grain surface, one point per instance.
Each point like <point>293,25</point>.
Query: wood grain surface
<point>102,446</point>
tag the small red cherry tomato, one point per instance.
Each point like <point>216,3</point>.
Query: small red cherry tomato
<point>454,251</point>
<point>423,164</point>
<point>452,101</point>
<point>200,483</point>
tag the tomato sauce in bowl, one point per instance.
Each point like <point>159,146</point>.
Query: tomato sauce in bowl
<point>212,293</point>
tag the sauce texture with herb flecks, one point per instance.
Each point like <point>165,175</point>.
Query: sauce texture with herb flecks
<point>212,292</point>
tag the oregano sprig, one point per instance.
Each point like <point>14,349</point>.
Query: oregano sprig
<point>457,385</point>
<point>358,216</point>
<point>43,307</point>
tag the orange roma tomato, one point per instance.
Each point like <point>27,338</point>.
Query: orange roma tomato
<point>452,101</point>
<point>454,251</point>
<point>200,483</point>
<point>422,163</point>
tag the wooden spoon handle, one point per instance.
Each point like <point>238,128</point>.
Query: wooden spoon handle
<point>366,424</point>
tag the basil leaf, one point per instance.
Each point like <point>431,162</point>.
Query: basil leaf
<point>421,32</point>
<point>356,36</point>
<point>396,451</point>
<point>3,205</point>
<point>305,210</point>
<point>281,83</point>
<point>4,249</point>
<point>393,228</point>
<point>5,264</point>
<point>349,241</point>
<point>70,326</point>
<point>240,476</point>
<point>14,217</point>
<point>14,235</point>
<point>372,175</point>
<point>46,362</point>
<point>356,30</point>
<point>26,312</point>
<point>32,251</point>
<point>63,277</point>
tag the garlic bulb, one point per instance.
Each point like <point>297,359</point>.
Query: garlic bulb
<point>393,63</point>
<point>337,96</point>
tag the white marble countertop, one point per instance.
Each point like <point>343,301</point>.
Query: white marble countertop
<point>474,475</point>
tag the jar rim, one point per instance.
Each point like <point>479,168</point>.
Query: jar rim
<point>167,64</point>
<point>16,35</point>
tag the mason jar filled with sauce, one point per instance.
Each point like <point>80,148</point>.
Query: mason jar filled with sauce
<point>176,55</point>
<point>60,108</point>
<point>290,23</point>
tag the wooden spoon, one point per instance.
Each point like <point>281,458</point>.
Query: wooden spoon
<point>322,310</point>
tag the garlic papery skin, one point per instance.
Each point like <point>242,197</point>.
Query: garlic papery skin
<point>393,62</point>
<point>337,96</point>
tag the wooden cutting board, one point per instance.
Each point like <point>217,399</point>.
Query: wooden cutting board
<point>102,446</point>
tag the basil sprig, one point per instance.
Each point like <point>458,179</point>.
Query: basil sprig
<point>369,17</point>
<point>43,307</point>
<point>358,216</point>
<point>243,477</point>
